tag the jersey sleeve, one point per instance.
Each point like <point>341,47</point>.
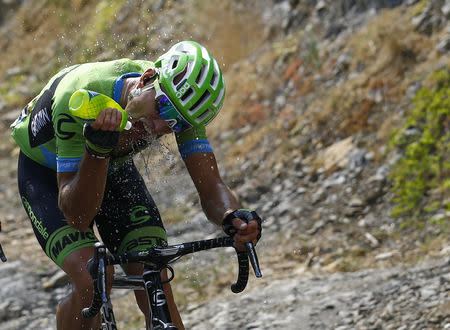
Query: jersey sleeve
<point>69,139</point>
<point>69,142</point>
<point>192,141</point>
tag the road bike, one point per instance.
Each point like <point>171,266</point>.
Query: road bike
<point>154,260</point>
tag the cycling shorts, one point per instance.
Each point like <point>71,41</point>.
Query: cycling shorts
<point>128,219</point>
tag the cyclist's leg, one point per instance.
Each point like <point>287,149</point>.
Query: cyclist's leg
<point>69,309</point>
<point>128,221</point>
<point>68,248</point>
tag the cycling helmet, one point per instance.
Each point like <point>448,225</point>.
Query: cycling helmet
<point>193,81</point>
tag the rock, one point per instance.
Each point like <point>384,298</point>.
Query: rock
<point>356,159</point>
<point>386,255</point>
<point>4,310</point>
<point>317,226</point>
<point>342,64</point>
<point>318,196</point>
<point>446,9</point>
<point>356,202</point>
<point>354,207</point>
<point>373,241</point>
<point>422,23</point>
<point>368,220</point>
<point>14,71</point>
<point>444,45</point>
<point>336,154</point>
<point>373,190</point>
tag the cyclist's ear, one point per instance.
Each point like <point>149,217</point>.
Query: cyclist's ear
<point>147,77</point>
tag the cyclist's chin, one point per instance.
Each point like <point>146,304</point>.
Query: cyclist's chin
<point>149,127</point>
<point>156,126</point>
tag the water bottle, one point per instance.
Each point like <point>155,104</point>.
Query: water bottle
<point>86,105</point>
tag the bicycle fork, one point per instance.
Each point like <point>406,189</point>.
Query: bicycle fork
<point>159,314</point>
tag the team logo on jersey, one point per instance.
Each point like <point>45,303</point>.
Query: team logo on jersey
<point>40,129</point>
<point>63,120</point>
<point>139,214</point>
<point>39,121</point>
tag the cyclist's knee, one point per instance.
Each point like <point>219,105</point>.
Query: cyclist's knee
<point>75,266</point>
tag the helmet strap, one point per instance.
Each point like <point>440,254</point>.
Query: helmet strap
<point>137,91</point>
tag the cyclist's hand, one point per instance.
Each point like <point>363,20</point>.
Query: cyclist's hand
<point>108,120</point>
<point>244,226</point>
<point>102,135</point>
<point>246,232</point>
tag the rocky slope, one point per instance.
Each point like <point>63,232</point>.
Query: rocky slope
<point>315,89</point>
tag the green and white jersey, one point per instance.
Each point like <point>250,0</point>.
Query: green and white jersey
<point>46,131</point>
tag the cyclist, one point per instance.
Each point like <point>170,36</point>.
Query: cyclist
<point>73,174</point>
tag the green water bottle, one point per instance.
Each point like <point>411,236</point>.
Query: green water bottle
<point>86,105</point>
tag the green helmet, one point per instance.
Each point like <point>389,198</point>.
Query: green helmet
<point>193,81</point>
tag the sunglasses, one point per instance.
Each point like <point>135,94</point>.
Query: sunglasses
<point>168,111</point>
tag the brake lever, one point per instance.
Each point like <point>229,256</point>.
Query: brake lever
<point>2,254</point>
<point>253,258</point>
<point>101,280</point>
<point>97,269</point>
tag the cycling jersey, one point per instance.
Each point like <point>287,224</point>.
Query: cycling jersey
<point>47,132</point>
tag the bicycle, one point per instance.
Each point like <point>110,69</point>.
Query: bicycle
<point>155,259</point>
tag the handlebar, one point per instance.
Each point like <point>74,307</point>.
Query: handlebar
<point>160,257</point>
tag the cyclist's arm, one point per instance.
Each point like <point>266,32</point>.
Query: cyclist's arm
<point>216,198</point>
<point>81,193</point>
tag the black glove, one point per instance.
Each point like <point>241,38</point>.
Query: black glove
<point>244,215</point>
<point>99,142</point>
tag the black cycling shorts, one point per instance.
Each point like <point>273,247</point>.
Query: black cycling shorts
<point>128,219</point>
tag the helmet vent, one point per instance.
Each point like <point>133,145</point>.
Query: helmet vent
<point>201,75</point>
<point>216,73</point>
<point>201,101</point>
<point>174,64</point>
<point>219,98</point>
<point>213,78</point>
<point>203,116</point>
